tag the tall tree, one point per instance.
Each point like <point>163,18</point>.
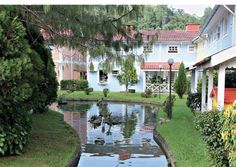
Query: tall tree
<point>180,85</point>
<point>128,75</point>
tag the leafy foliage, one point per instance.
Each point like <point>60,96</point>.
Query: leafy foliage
<point>228,133</point>
<point>181,81</point>
<point>210,127</point>
<point>105,92</point>
<point>167,106</point>
<point>88,90</point>
<point>194,101</point>
<point>128,75</point>
<point>74,85</point>
<point>147,93</point>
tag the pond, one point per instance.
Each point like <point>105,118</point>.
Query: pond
<point>115,134</point>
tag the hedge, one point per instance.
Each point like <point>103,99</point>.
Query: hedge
<point>74,85</point>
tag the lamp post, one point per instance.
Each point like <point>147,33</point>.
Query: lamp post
<point>160,80</point>
<point>170,62</point>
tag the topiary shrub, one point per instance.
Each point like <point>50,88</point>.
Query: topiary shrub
<point>88,90</point>
<point>147,93</point>
<point>210,126</point>
<point>180,85</point>
<point>74,85</point>
<point>105,92</point>
<point>167,107</point>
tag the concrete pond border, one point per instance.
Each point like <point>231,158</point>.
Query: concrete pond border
<point>156,135</point>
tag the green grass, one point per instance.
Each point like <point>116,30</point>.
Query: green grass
<point>129,97</point>
<point>52,143</point>
<point>184,140</point>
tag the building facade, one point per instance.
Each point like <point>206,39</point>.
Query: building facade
<point>216,51</point>
<point>153,72</point>
<point>69,64</point>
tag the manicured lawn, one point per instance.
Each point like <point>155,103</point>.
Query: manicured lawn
<point>112,96</point>
<point>184,140</point>
<point>51,143</point>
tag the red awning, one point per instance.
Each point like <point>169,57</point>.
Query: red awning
<point>230,94</point>
<point>158,65</point>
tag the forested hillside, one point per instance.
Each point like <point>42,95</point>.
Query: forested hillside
<point>164,17</point>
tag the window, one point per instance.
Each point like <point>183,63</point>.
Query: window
<point>173,49</point>
<point>191,48</point>
<point>103,77</point>
<point>115,72</point>
<point>147,48</point>
<point>225,25</point>
<point>218,32</point>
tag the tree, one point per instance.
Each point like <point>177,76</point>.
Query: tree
<point>128,75</point>
<point>180,85</point>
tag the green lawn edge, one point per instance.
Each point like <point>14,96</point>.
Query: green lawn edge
<point>52,143</point>
<point>184,140</point>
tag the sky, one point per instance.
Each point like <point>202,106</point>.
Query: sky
<point>193,9</point>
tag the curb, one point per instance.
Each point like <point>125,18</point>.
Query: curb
<point>111,100</point>
<point>75,158</point>
<point>165,147</point>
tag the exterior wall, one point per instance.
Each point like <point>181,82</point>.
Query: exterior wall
<point>67,63</point>
<point>112,83</point>
<point>160,53</point>
<point>215,45</point>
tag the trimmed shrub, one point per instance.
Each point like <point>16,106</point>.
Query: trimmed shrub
<point>210,126</point>
<point>228,133</point>
<point>194,101</point>
<point>147,93</point>
<point>131,90</point>
<point>105,92</point>
<point>74,85</point>
<point>180,85</point>
<point>167,107</point>
<point>88,90</point>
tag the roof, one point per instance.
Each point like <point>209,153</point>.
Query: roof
<point>170,35</point>
<point>230,94</point>
<point>203,61</point>
<point>157,65</point>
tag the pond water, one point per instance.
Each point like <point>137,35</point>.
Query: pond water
<point>115,134</point>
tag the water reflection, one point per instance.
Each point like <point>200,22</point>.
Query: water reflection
<point>114,135</point>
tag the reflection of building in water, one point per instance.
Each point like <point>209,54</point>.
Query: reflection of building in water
<point>79,122</point>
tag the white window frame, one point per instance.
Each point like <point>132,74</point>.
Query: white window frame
<point>194,49</point>
<point>149,48</point>
<point>98,78</point>
<point>178,49</point>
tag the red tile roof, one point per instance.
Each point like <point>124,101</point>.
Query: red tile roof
<point>157,65</point>
<point>230,94</point>
<point>170,35</point>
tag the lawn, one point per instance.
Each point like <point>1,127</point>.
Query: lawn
<point>184,140</point>
<point>52,143</point>
<point>129,97</point>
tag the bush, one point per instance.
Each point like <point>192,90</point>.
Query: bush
<point>147,93</point>
<point>180,85</point>
<point>74,85</point>
<point>167,108</point>
<point>88,90</point>
<point>14,135</point>
<point>105,92</point>
<point>194,101</point>
<point>210,126</point>
<point>228,133</point>
<point>131,90</point>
